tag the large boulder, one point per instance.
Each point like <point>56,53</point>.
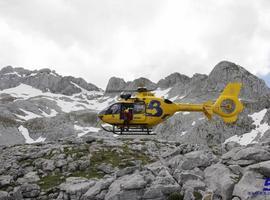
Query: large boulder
<point>262,167</point>
<point>97,188</point>
<point>250,186</point>
<point>161,186</point>
<point>246,155</point>
<point>191,160</point>
<point>5,180</point>
<point>220,180</point>
<point>75,187</point>
<point>126,187</point>
<point>30,190</point>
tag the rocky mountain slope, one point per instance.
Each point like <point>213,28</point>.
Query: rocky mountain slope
<point>94,167</point>
<point>51,146</point>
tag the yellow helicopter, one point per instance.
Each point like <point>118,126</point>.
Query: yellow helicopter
<point>139,114</point>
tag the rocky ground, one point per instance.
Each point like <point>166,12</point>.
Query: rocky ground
<point>94,167</point>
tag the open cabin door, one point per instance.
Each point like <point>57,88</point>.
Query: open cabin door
<point>138,112</point>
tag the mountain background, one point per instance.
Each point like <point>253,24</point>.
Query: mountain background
<point>49,106</point>
<point>52,147</point>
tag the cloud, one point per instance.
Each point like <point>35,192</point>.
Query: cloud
<point>100,39</point>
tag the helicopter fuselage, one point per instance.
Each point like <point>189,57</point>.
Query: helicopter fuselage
<point>148,110</point>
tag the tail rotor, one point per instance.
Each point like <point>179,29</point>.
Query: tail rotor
<point>228,106</point>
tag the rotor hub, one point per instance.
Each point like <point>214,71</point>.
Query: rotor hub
<point>228,106</point>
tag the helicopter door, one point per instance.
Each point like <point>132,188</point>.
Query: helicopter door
<point>139,112</point>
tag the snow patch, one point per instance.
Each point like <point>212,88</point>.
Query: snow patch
<point>177,98</point>
<point>183,133</point>
<point>79,101</point>
<point>28,116</point>
<point>193,123</point>
<point>15,73</point>
<point>162,93</point>
<point>186,113</point>
<point>27,137</point>
<point>260,129</point>
<point>84,130</point>
<point>23,91</point>
<point>53,113</point>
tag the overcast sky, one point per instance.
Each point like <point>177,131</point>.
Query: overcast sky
<point>97,39</point>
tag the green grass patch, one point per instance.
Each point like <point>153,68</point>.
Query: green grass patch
<point>26,162</point>
<point>89,173</point>
<point>235,179</point>
<point>176,196</point>
<point>197,195</point>
<point>118,157</point>
<point>77,152</point>
<point>51,181</point>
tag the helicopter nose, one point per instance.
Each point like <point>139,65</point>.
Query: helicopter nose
<point>100,116</point>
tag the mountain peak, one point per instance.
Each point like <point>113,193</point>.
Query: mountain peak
<point>225,72</point>
<point>44,79</point>
<point>173,79</point>
<point>115,83</point>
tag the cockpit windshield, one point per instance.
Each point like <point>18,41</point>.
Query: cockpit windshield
<point>113,109</point>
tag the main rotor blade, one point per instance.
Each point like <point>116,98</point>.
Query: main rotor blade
<point>136,90</point>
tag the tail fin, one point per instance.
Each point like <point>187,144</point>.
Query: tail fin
<point>228,106</point>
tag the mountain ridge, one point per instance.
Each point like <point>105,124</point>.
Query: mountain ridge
<point>221,74</point>
<point>26,104</point>
<point>68,156</point>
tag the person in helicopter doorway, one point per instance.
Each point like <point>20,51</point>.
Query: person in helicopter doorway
<point>128,116</point>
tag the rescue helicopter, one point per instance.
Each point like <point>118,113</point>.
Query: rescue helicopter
<point>138,114</point>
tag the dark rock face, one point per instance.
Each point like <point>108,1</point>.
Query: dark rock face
<point>119,84</point>
<point>172,80</point>
<point>225,72</point>
<point>44,79</point>
<point>140,82</point>
<point>193,127</point>
<point>115,84</point>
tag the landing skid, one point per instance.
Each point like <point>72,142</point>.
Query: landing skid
<point>128,131</point>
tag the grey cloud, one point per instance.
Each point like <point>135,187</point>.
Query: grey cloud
<point>96,39</point>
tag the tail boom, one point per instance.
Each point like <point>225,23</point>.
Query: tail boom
<point>227,106</point>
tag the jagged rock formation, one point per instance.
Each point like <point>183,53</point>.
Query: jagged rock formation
<point>194,128</point>
<point>44,79</point>
<point>119,84</point>
<point>71,158</point>
<point>172,80</point>
<point>46,101</point>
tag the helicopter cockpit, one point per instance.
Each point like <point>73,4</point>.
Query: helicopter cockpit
<point>136,109</point>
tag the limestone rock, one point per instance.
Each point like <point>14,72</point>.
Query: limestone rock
<point>250,183</point>
<point>75,187</point>
<point>220,180</point>
<point>30,190</point>
<point>5,180</point>
<point>97,188</point>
